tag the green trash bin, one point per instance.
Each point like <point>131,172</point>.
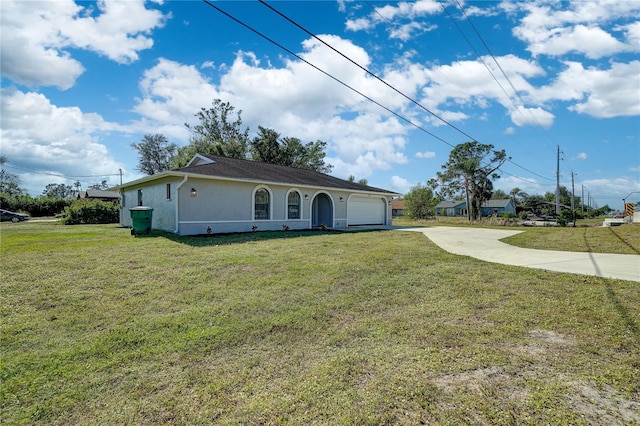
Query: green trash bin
<point>141,220</point>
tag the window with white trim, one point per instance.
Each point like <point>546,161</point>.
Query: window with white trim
<point>139,197</point>
<point>168,191</point>
<point>261,204</point>
<point>293,205</point>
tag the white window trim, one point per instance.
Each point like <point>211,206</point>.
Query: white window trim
<point>286,203</point>
<point>253,203</point>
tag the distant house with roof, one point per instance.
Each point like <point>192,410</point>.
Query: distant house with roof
<point>214,194</point>
<point>488,208</point>
<point>99,194</point>
<point>397,208</point>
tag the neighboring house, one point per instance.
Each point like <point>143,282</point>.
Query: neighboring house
<point>98,194</point>
<point>497,207</point>
<point>451,208</point>
<point>397,208</point>
<point>215,194</point>
<point>489,208</point>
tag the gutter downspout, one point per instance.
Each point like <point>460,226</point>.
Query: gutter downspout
<point>184,180</point>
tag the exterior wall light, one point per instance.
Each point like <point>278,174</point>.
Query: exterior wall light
<point>306,197</point>
<point>341,199</point>
<point>194,193</point>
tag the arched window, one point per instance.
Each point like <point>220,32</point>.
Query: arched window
<point>261,204</point>
<point>293,205</point>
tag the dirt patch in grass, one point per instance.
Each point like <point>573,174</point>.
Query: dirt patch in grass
<point>603,406</point>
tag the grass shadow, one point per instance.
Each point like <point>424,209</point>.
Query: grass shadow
<point>622,311</point>
<point>207,240</point>
<point>625,242</point>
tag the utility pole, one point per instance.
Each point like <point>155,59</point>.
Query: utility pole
<point>558,183</point>
<point>573,196</point>
<point>582,200</point>
<point>120,177</point>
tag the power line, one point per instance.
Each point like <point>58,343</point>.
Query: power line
<point>40,172</point>
<point>495,60</point>
<point>367,70</point>
<point>392,87</point>
<point>326,73</point>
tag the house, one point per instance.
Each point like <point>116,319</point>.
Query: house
<point>397,208</point>
<point>497,207</point>
<point>98,194</point>
<point>214,194</point>
<point>488,208</point>
<point>451,208</point>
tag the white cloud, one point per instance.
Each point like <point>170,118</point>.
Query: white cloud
<point>64,138</point>
<point>509,131</point>
<point>400,185</point>
<point>171,94</point>
<point>364,140</point>
<point>582,156</point>
<point>532,117</point>
<point>426,154</point>
<point>557,28</point>
<point>602,93</point>
<point>466,84</point>
<point>392,15</point>
<point>36,40</point>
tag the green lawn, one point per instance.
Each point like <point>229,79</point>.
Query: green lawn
<point>99,327</point>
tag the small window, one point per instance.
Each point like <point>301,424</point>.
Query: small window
<point>261,204</point>
<point>168,191</point>
<point>139,197</point>
<point>293,205</point>
<point>123,200</point>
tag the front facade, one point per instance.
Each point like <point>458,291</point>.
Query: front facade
<point>222,195</point>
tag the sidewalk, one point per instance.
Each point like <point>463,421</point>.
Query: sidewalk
<point>483,244</point>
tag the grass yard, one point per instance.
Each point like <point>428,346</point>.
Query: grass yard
<point>369,328</point>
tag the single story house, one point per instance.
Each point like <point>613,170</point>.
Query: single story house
<point>451,208</point>
<point>397,208</point>
<point>488,208</point>
<point>214,194</point>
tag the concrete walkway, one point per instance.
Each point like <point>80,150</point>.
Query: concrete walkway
<point>483,244</point>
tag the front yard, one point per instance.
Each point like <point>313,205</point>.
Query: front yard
<point>99,327</point>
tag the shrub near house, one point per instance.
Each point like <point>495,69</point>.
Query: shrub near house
<point>91,212</point>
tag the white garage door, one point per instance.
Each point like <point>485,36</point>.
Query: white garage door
<point>366,210</point>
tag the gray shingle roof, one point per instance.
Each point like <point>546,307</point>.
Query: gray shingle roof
<point>233,168</point>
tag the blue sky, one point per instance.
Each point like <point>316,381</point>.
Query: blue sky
<point>82,81</point>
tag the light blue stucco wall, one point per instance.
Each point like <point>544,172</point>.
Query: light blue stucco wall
<point>154,195</point>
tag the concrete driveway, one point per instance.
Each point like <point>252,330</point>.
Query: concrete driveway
<point>484,244</point>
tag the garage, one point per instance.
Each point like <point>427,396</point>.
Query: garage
<point>363,210</point>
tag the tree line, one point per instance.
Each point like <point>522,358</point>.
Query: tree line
<point>219,132</point>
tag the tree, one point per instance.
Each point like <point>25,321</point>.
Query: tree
<point>9,182</point>
<point>155,153</point>
<point>362,181</point>
<point>499,194</point>
<point>419,203</point>
<point>470,169</point>
<point>57,190</point>
<point>101,186</point>
<point>268,147</point>
<point>215,134</point>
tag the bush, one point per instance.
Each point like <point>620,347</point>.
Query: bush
<point>91,212</point>
<point>36,207</point>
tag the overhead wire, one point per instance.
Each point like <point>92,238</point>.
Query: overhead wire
<point>76,178</point>
<point>327,74</point>
<point>369,72</point>
<point>495,60</point>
